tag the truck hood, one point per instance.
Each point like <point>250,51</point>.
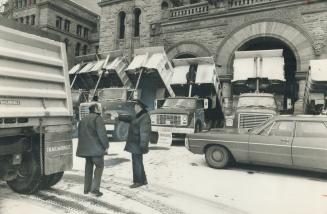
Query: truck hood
<point>256,110</point>
<point>172,111</point>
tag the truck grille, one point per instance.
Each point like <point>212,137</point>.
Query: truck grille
<point>169,119</point>
<point>247,120</point>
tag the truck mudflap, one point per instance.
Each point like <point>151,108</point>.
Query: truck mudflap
<point>58,151</point>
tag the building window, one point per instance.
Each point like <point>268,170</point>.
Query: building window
<point>21,19</point>
<point>67,44</point>
<point>137,23</point>
<point>67,25</point>
<point>121,30</point>
<point>164,5</point>
<point>19,4</point>
<point>27,20</point>
<point>32,19</point>
<point>86,33</point>
<point>24,3</point>
<point>77,49</point>
<point>84,49</point>
<point>29,2</point>
<point>58,22</point>
<point>97,49</point>
<point>79,30</point>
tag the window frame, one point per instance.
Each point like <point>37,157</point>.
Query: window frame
<point>59,22</point>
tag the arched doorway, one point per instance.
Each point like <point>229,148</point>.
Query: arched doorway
<point>289,90</point>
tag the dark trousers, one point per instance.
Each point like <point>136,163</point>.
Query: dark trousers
<point>138,169</point>
<point>93,183</point>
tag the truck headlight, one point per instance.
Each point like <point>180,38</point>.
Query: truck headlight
<point>153,119</point>
<point>184,119</point>
<point>229,121</point>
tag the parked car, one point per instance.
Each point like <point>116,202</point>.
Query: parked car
<point>286,141</point>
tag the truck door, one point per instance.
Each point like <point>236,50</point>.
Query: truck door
<point>273,145</point>
<point>310,146</point>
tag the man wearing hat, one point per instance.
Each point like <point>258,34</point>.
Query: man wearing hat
<point>93,144</point>
<point>137,141</point>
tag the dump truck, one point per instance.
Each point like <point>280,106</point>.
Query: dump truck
<point>35,109</point>
<point>103,77</point>
<point>315,95</point>
<point>257,82</point>
<point>197,105</point>
<point>151,73</point>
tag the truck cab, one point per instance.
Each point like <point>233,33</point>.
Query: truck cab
<point>251,110</point>
<point>180,116</point>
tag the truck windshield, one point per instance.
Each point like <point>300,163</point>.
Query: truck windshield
<point>259,101</point>
<point>113,94</point>
<point>180,103</point>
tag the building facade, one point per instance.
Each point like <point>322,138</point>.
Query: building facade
<point>76,24</point>
<point>218,28</point>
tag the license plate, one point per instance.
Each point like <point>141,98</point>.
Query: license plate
<point>165,138</point>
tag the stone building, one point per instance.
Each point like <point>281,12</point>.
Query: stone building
<point>76,22</point>
<point>219,28</point>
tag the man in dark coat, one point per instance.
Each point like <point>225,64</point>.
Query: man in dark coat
<point>137,141</point>
<point>93,144</point>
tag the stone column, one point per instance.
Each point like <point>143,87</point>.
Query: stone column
<point>299,104</point>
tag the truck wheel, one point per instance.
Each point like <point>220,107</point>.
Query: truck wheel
<point>121,131</point>
<point>50,180</point>
<point>217,157</point>
<point>197,128</point>
<point>154,136</point>
<point>29,177</point>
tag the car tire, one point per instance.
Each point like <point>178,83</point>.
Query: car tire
<point>217,157</point>
<point>121,131</point>
<point>29,179</point>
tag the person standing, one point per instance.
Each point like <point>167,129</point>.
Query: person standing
<point>93,144</point>
<point>137,142</point>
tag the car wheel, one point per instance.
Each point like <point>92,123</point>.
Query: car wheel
<point>121,131</point>
<point>217,157</point>
<point>29,175</point>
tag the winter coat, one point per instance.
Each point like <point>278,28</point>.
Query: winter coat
<point>139,132</point>
<point>92,137</point>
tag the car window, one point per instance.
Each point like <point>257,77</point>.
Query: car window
<point>282,128</point>
<point>266,131</point>
<point>311,129</point>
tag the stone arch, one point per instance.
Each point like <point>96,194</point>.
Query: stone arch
<point>297,39</point>
<point>187,47</point>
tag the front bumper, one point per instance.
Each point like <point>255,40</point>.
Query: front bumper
<point>177,130</point>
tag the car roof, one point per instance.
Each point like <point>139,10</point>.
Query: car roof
<point>307,117</point>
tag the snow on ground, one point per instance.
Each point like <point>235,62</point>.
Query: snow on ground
<point>181,182</point>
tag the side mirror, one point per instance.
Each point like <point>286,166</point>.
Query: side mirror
<point>205,103</point>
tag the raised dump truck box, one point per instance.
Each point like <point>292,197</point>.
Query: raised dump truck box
<point>35,110</point>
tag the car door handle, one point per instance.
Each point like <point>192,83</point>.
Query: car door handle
<point>285,140</point>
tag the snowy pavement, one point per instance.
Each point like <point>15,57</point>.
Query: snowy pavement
<point>179,182</point>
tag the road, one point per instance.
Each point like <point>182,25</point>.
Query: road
<point>179,182</point>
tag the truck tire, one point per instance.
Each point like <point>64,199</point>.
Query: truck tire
<point>154,136</point>
<point>121,131</point>
<point>217,157</point>
<point>29,178</point>
<point>50,180</point>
